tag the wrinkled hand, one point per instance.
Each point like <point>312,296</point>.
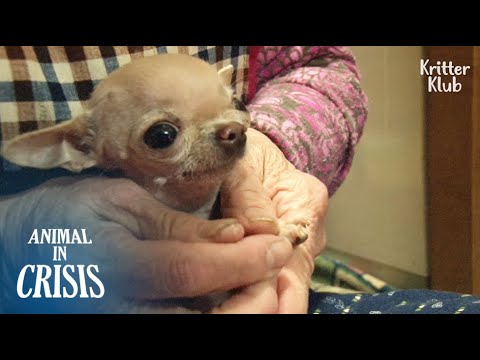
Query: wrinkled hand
<point>265,187</point>
<point>144,250</point>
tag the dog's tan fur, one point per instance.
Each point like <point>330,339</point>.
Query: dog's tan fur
<point>182,90</point>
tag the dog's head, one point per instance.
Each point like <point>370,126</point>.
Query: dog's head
<point>170,117</point>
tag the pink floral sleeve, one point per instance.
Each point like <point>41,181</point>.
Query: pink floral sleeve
<point>309,102</point>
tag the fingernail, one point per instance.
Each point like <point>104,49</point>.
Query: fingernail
<point>278,253</point>
<point>232,231</point>
<point>216,231</point>
<point>265,222</point>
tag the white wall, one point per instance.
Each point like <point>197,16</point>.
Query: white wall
<point>379,212</point>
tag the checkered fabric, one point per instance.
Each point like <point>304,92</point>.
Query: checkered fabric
<point>43,85</point>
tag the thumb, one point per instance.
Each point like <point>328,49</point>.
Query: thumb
<point>126,203</point>
<point>243,197</point>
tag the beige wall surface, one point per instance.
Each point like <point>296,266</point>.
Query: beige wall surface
<point>379,212</point>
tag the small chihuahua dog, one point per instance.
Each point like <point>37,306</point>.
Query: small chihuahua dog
<point>168,122</point>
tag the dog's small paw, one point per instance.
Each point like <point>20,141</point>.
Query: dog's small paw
<point>296,232</point>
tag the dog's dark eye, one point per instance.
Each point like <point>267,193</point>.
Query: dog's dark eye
<point>160,135</point>
<point>239,105</point>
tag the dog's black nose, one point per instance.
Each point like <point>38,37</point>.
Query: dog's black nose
<point>231,137</point>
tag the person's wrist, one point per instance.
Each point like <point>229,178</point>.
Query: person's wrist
<point>4,209</point>
<point>10,248</point>
<point>8,217</point>
<point>23,213</point>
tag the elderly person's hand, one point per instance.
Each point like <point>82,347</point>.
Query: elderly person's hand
<point>143,249</point>
<point>265,187</point>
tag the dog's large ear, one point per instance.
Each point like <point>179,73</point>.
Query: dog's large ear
<point>225,74</point>
<point>61,145</point>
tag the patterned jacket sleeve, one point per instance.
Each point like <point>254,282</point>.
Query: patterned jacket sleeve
<point>310,104</point>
